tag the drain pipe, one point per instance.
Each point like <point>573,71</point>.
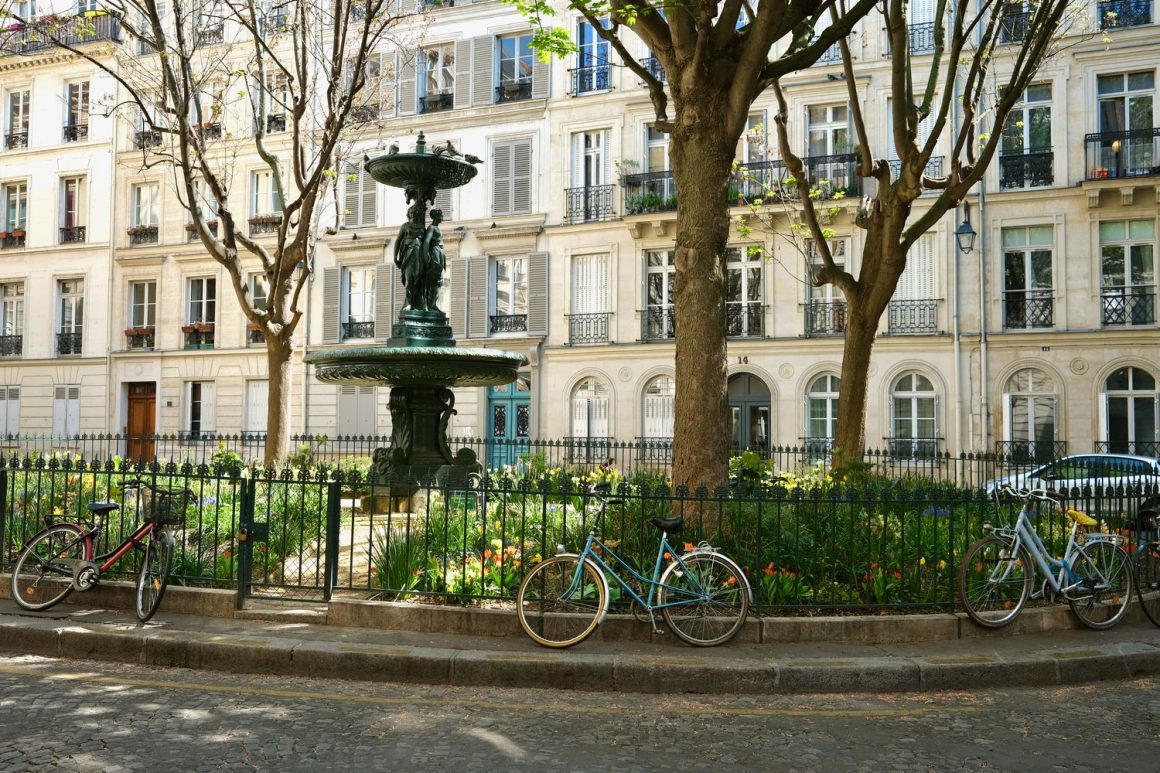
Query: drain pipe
<point>956,330</point>
<point>984,363</point>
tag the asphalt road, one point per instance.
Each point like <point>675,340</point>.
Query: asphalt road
<point>84,715</point>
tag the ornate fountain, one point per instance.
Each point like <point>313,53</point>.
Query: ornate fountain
<point>420,362</point>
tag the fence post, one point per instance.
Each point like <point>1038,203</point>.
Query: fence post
<point>333,521</point>
<point>245,544</point>
<point>3,512</point>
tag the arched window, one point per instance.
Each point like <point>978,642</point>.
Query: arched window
<point>1130,413</point>
<point>915,427</point>
<point>658,408</point>
<point>1029,422</point>
<point>590,410</point>
<point>821,414</point>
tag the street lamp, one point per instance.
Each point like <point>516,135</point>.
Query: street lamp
<point>965,234</point>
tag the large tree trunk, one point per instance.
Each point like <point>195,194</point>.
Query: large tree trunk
<point>278,352</point>
<point>702,167</point>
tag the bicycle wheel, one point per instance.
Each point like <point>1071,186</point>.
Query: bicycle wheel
<point>154,576</point>
<point>994,583</point>
<point>1148,581</point>
<point>555,607</point>
<point>1101,598</point>
<point>43,573</point>
<point>709,598</point>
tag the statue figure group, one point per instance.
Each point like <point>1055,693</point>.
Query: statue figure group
<point>419,255</point>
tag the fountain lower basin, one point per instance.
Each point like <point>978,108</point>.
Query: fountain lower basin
<point>413,366</point>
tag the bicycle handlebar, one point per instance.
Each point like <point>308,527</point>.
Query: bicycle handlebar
<point>1025,494</point>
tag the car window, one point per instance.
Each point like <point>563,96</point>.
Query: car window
<point>1076,468</point>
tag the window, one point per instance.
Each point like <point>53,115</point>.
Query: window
<point>12,317</point>
<point>202,301</point>
<point>146,203</point>
<point>658,408</point>
<point>15,207</point>
<point>512,178</point>
<point>259,295</point>
<point>77,117</point>
<point>743,307</point>
<point>829,130</point>
<point>591,73</point>
<point>257,391</point>
<point>913,310</point>
<point>656,150</point>
<point>142,304</point>
<point>588,322</point>
<point>66,411</point>
<point>660,293</point>
<point>437,86</point>
<point>71,316</point>
<point>264,198</point>
<point>1123,13</point>
<point>360,197</point>
<point>914,401</point>
<point>1124,146</point>
<point>199,408</point>
<point>590,410</point>
<point>1128,290</point>
<point>516,61</point>
<point>510,308</point>
<point>1131,412</point>
<point>825,304</point>
<point>9,410</point>
<point>1029,424</point>
<point>1027,281</point>
<point>821,414</point>
<point>356,410</point>
<point>1025,156</point>
<point>16,133</point>
<point>72,222</point>
<point>358,293</point>
<point>590,197</point>
<point>279,102</point>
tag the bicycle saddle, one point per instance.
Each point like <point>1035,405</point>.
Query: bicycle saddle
<point>1083,519</point>
<point>667,525</point>
<point>103,508</point>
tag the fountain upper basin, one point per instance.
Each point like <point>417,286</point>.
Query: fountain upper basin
<point>451,366</point>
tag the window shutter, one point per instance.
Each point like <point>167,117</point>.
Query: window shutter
<point>351,204</point>
<point>384,300</point>
<point>521,177</point>
<point>1008,408</point>
<point>477,287</point>
<point>257,393</point>
<point>12,411</point>
<point>538,293</point>
<point>368,198</point>
<point>408,98</point>
<point>458,311</point>
<point>579,416</point>
<point>463,61</point>
<point>331,303</point>
<point>347,423</point>
<point>482,67</point>
<point>501,180</point>
<point>443,202</point>
<point>208,407</point>
<point>59,399</point>
<point>541,77</point>
<point>578,160</point>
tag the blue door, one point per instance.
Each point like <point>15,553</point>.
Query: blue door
<point>509,421</point>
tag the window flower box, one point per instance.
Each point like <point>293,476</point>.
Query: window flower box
<point>145,330</point>
<point>18,232</point>
<point>198,327</point>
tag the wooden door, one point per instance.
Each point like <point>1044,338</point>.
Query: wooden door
<point>140,428</point>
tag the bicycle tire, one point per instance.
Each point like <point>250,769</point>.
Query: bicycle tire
<point>550,618</point>
<point>1107,579</point>
<point>154,577</point>
<point>1147,570</point>
<point>989,600</point>
<point>51,553</point>
<point>704,622</point>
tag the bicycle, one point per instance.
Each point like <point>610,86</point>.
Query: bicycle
<point>1146,565</point>
<point>702,595</point>
<point>996,574</point>
<point>62,557</point>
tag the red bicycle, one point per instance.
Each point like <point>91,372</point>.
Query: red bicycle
<point>62,557</point>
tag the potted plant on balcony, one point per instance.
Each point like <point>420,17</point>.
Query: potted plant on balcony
<point>141,230</point>
<point>4,234</point>
<point>18,233</point>
<point>138,330</point>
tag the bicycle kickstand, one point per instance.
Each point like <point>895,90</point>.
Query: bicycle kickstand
<point>652,618</point>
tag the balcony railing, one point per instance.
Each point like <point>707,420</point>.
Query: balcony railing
<point>1020,452</point>
<point>199,335</point>
<point>649,192</point>
<point>591,450</point>
<point>275,22</point>
<point>191,234</point>
<point>588,79</point>
<point>73,31</point>
<point>353,329</point>
<point>934,168</point>
<point>142,338</point>
<point>1013,23</point>
<point>835,174</point>
<point>12,241</point>
<point>825,318</point>
<point>514,91</point>
<point>254,336</point>
<point>589,204</point>
<point>146,138</point>
<point>921,38</point>
<point>69,343</point>
<point>264,224</point>
<point>435,103</point>
<point>660,323</point>
<point>744,319</point>
<point>1124,306</point>
<point>1124,13</point>
<point>832,55</point>
<point>914,448</point>
<point>1123,446</point>
<point>72,234</point>
<point>509,323</point>
<point>588,328</point>
<point>1027,170</point>
<point>275,123</point>
<point>14,140</point>
<point>1028,309</point>
<point>209,130</point>
<point>364,113</point>
<point>910,317</point>
<point>11,346</point>
<point>1131,153</point>
<point>75,132</point>
<point>142,234</point>
<point>654,449</point>
<point>654,68</point>
<point>211,35</point>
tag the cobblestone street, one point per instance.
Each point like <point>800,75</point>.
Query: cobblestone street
<point>83,715</point>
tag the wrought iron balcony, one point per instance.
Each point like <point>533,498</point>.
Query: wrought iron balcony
<point>355,329</point>
<point>1131,153</point>
<point>654,68</point>
<point>588,328</point>
<point>1017,452</point>
<point>275,22</point>
<point>910,317</point>
<point>364,113</point>
<point>1028,309</point>
<point>72,234</point>
<point>588,450</point>
<point>649,192</point>
<point>69,343</point>
<point>1124,306</point>
<point>835,174</point>
<point>142,234</point>
<point>434,5</point>
<point>921,38</point>
<point>75,132</point>
<point>211,35</point>
<point>275,123</point>
<point>1013,23</point>
<point>588,205</point>
<point>509,323</point>
<point>14,140</point>
<point>72,31</point>
<point>434,103</point>
<point>934,168</point>
<point>191,234</point>
<point>1138,447</point>
<point>1027,170</point>
<point>832,55</point>
<point>1124,13</point>
<point>660,323</point>
<point>254,336</point>
<point>12,241</point>
<point>588,79</point>
<point>514,91</point>
<point>143,337</point>
<point>825,318</point>
<point>744,319</point>
<point>654,449</point>
<point>209,130</point>
<point>11,345</point>
<point>264,224</point>
<point>914,448</point>
<point>146,138</point>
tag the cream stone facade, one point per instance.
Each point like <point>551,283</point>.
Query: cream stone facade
<point>1042,338</point>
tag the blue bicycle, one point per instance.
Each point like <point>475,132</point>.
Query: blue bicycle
<point>702,594</point>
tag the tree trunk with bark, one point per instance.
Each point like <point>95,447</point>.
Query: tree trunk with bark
<point>279,351</point>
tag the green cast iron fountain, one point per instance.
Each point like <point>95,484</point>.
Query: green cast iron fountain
<point>420,361</point>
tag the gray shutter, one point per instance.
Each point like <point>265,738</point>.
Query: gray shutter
<point>368,198</point>
<point>331,303</point>
<point>482,67</point>
<point>351,201</point>
<point>541,77</point>
<point>347,419</point>
<point>398,295</point>
<point>463,73</point>
<point>521,177</point>
<point>408,6</point>
<point>501,178</point>
<point>477,306</point>
<point>538,294</point>
<point>384,290</point>
<point>408,98</point>
<point>458,310</point>
<point>443,202</point>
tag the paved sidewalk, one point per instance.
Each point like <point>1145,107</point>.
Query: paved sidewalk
<point>292,647</point>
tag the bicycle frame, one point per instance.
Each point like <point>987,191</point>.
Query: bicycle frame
<point>1024,535</point>
<point>106,560</point>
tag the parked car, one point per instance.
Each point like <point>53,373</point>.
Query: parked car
<point>1100,484</point>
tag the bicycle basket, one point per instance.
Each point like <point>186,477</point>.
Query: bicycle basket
<point>165,508</point>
